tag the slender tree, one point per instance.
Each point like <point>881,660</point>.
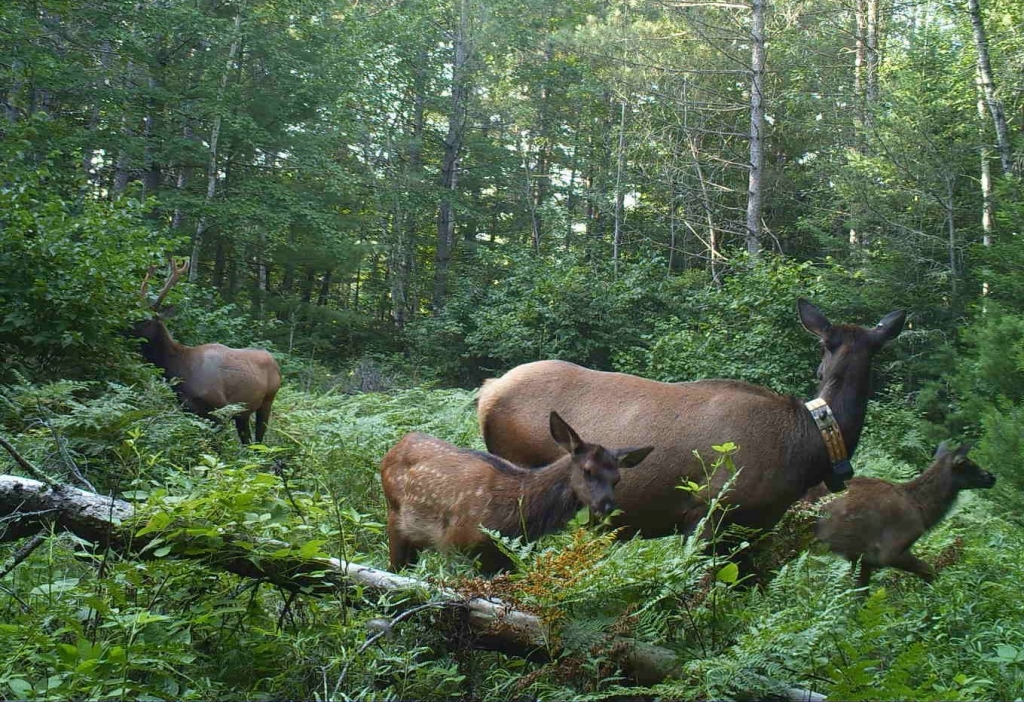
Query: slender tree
<point>988,86</point>
<point>757,127</point>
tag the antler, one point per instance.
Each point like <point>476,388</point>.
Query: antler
<point>145,283</point>
<point>176,272</point>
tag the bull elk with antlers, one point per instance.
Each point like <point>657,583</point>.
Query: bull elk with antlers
<point>211,375</point>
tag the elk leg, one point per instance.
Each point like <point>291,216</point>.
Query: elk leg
<point>492,561</point>
<point>865,573</point>
<point>262,418</point>
<point>401,552</point>
<point>196,406</point>
<point>912,564</point>
<point>242,425</point>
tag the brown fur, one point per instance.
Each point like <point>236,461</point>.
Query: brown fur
<point>781,452</point>
<point>439,495</point>
<point>214,376</point>
<point>878,521</point>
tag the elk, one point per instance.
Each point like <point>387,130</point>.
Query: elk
<point>211,375</point>
<point>878,521</point>
<point>782,452</point>
<point>440,495</point>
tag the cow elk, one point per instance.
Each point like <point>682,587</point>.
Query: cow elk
<point>878,521</point>
<point>211,376</point>
<point>440,495</point>
<point>782,452</point>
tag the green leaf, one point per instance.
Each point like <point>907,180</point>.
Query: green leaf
<point>729,573</point>
<point>311,549</point>
<point>55,587</point>
<point>22,689</point>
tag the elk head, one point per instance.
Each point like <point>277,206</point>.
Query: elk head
<point>152,328</point>
<point>595,469</point>
<point>966,473</point>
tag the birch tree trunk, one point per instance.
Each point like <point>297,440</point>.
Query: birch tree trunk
<point>987,210</point>
<point>995,105</point>
<point>757,131</point>
<point>211,167</point>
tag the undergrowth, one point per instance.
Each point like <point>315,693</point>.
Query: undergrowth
<point>81,623</point>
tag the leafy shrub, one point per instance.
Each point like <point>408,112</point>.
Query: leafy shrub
<point>562,307</point>
<point>70,267</point>
<point>725,333</point>
<point>96,625</point>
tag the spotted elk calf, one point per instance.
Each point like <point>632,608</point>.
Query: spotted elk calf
<point>440,495</point>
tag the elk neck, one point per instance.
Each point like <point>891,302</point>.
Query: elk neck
<point>847,395</point>
<point>163,351</point>
<point>934,493</point>
<point>548,501</point>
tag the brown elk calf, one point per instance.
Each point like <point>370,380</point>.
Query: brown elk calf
<point>878,521</point>
<point>439,495</point>
<point>212,375</point>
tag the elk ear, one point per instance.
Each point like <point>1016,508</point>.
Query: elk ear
<point>961,454</point>
<point>890,327</point>
<point>168,312</point>
<point>563,433</point>
<point>630,457</point>
<point>812,318</point>
<point>942,451</point>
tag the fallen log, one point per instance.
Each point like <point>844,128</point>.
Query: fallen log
<point>27,506</point>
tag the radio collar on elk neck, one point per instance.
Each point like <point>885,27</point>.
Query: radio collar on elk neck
<point>833,438</point>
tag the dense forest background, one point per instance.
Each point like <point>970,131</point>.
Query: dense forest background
<point>403,198</point>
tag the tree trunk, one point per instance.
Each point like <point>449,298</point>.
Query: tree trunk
<point>951,231</point>
<point>705,203</point>
<point>995,105</point>
<point>94,113</point>
<point>541,177</point>
<point>859,49</point>
<point>259,296</point>
<point>219,263</point>
<point>325,288</point>
<point>404,219</point>
<point>121,173</point>
<point>181,181</point>
<point>987,210</point>
<point>571,197</point>
<point>757,131</point>
<point>673,206</point>
<point>150,166</point>
<point>307,285</point>
<point>619,195</point>
<point>872,58</point>
<point>11,111</point>
<point>211,167</point>
<point>450,160</point>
